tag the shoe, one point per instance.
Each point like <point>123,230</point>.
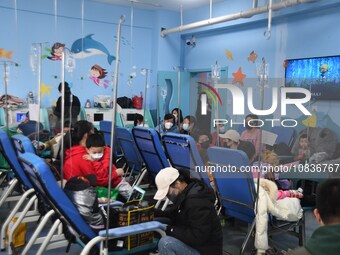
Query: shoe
<point>269,251</point>
<point>273,251</point>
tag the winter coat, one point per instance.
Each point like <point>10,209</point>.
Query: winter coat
<point>29,127</point>
<point>102,167</point>
<point>75,165</point>
<point>324,240</point>
<point>287,209</point>
<point>74,106</point>
<point>162,130</point>
<point>84,197</point>
<point>194,133</point>
<point>195,221</point>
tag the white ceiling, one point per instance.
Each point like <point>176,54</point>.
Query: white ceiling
<point>173,5</point>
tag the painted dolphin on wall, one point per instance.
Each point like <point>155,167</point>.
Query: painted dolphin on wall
<point>86,47</point>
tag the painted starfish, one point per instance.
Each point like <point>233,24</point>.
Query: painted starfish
<point>238,77</point>
<point>4,54</point>
<point>45,89</point>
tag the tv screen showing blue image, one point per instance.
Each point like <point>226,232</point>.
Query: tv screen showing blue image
<point>21,117</point>
<point>320,75</point>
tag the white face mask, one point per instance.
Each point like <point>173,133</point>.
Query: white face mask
<point>168,125</point>
<point>221,130</point>
<point>186,127</point>
<point>175,115</point>
<point>97,156</point>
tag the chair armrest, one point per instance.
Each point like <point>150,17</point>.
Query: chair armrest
<point>115,203</point>
<point>134,229</point>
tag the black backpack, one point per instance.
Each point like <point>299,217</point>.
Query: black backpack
<point>125,102</point>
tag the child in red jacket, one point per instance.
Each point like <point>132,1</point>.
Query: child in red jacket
<point>99,155</point>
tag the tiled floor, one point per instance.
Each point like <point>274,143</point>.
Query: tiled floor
<point>233,236</point>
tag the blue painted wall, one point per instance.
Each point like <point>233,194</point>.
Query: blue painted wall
<point>35,21</point>
<point>307,30</point>
<point>302,31</point>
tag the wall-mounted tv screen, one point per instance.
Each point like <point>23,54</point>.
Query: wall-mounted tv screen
<point>21,117</point>
<point>320,75</point>
<point>98,116</point>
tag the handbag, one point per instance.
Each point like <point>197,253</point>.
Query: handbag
<point>137,102</point>
<point>134,212</point>
<point>19,236</point>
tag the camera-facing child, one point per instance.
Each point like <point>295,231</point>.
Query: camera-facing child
<point>303,152</point>
<point>99,155</point>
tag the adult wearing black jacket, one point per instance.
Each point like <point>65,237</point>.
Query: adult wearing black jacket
<point>72,106</point>
<point>195,227</point>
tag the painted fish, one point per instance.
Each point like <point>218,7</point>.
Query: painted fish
<point>285,63</point>
<point>86,47</point>
<point>4,54</point>
<point>229,54</point>
<point>252,57</point>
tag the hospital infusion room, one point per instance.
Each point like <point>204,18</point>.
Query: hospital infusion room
<point>169,127</point>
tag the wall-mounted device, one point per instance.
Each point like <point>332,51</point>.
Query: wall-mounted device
<point>95,115</point>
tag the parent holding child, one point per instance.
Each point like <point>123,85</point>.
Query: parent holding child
<point>83,158</point>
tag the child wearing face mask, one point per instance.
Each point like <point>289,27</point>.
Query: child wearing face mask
<point>99,155</point>
<point>167,125</point>
<point>190,127</point>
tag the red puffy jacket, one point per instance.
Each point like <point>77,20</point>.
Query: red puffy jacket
<point>102,167</point>
<point>75,165</point>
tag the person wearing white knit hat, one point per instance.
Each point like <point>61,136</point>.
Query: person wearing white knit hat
<point>194,226</point>
<point>231,138</point>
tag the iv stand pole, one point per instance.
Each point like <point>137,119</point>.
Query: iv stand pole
<point>114,98</point>
<point>6,95</point>
<point>145,91</point>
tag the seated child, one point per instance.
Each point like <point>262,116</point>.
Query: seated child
<point>270,200</point>
<point>80,191</point>
<point>272,159</point>
<point>167,125</point>
<point>99,155</point>
<point>303,152</point>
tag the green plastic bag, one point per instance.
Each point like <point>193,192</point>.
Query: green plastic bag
<point>102,192</point>
<point>3,163</point>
